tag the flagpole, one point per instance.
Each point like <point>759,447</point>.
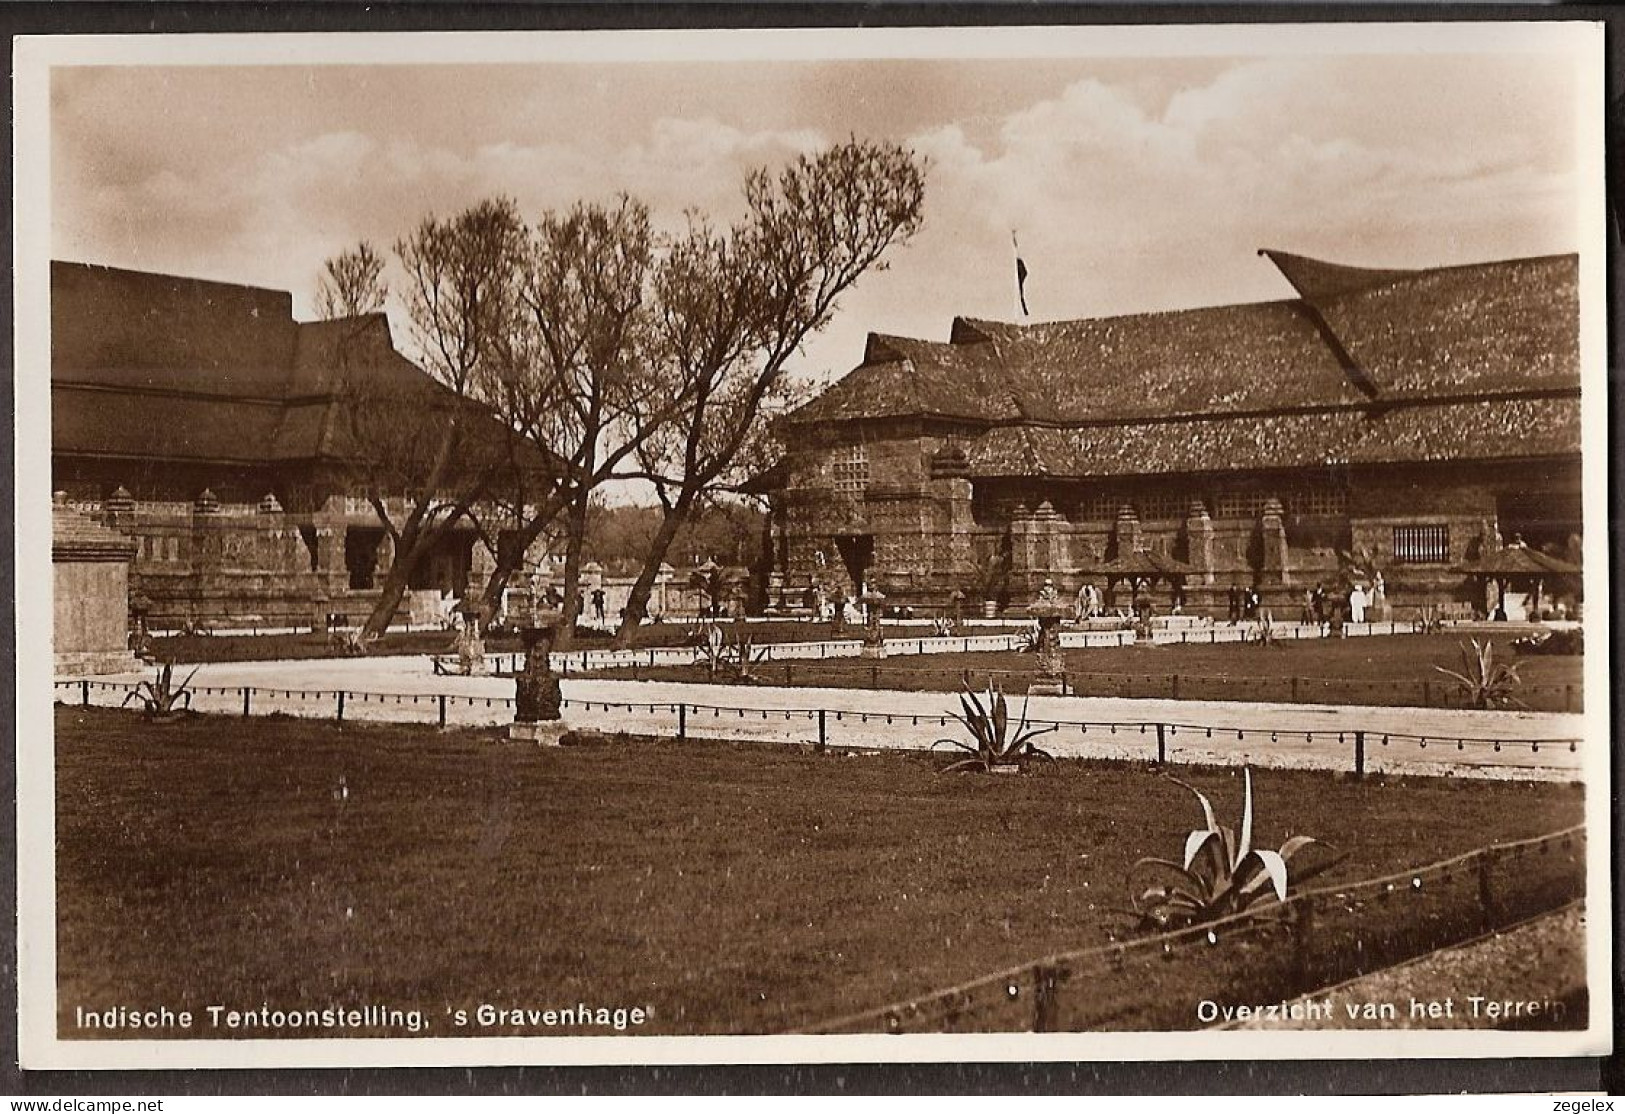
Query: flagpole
<point>1021,277</point>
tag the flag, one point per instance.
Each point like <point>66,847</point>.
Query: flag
<point>1021,276</point>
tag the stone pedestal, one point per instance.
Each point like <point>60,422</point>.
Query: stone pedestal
<point>1049,612</point>
<point>544,733</point>
<point>874,635</point>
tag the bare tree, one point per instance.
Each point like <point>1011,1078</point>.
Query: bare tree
<point>426,451</point>
<point>574,378</point>
<point>733,309</point>
<point>352,284</point>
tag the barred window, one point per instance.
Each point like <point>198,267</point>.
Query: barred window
<point>1422,545</point>
<point>849,469</point>
<point>1162,505</point>
<point>1318,501</point>
<point>1239,504</point>
<point>1099,506</point>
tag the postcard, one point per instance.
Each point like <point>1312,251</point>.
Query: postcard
<point>983,543</point>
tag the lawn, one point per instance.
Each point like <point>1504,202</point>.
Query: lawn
<point>274,647</point>
<point>724,888</point>
<point>1386,670</point>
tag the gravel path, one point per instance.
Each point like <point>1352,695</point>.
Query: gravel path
<point>1398,740</point>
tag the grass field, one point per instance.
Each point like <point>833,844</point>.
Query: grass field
<point>723,888</point>
<point>1386,670</point>
<point>273,647</point>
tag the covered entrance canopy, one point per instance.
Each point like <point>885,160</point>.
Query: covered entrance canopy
<point>1142,568</point>
<point>1519,568</point>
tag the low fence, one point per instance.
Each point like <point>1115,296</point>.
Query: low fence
<point>823,727</point>
<point>1318,938</point>
<point>855,673</point>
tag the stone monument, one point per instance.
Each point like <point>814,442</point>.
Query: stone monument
<point>537,697</point>
<point>874,636</point>
<point>1048,609</point>
<point>470,643</point>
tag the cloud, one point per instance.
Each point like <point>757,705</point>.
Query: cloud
<point>1132,190</point>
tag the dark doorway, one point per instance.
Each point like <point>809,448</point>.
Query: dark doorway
<point>857,553</point>
<point>361,555</point>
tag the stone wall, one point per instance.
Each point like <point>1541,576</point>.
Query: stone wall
<point>934,529</point>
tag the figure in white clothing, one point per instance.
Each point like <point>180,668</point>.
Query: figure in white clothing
<point>1357,604</point>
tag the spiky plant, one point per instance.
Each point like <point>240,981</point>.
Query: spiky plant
<point>1485,682</point>
<point>1429,619</point>
<point>161,697</point>
<point>1267,632</point>
<point>1221,875</point>
<point>992,743</point>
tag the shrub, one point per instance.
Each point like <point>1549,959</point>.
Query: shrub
<point>1220,876</point>
<point>992,743</point>
<point>1485,682</point>
<point>161,697</point>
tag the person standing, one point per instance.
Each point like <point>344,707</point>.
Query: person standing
<point>1357,603</point>
<point>598,600</point>
<point>1235,603</point>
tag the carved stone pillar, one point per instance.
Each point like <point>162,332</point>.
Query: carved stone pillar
<point>1271,525</point>
<point>1199,541</point>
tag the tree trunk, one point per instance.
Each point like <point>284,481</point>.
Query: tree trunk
<point>637,603</point>
<point>408,555</point>
<point>572,569</point>
<point>507,564</point>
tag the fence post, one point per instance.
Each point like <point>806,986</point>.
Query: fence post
<point>823,731</point>
<point>1162,743</point>
<point>441,700</point>
<point>246,692</point>
<point>84,693</point>
<point>1359,754</point>
<point>1046,999</point>
<point>341,705</point>
<point>682,721</point>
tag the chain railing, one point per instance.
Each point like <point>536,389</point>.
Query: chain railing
<point>1196,977</point>
<point>831,727</point>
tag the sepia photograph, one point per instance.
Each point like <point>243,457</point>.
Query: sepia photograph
<point>1021,543</point>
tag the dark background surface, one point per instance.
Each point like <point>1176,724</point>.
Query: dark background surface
<point>1300,1077</point>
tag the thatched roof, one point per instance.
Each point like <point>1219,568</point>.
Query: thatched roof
<point>1517,560</point>
<point>1470,362</point>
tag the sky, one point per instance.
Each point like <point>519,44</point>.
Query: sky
<point>1135,183</point>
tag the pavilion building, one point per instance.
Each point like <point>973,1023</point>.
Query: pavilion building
<point>200,420</point>
<point>1411,421</point>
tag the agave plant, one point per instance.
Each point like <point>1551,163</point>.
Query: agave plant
<point>1429,619</point>
<point>992,743</point>
<point>1268,633</point>
<point>351,643</point>
<point>1485,682</point>
<point>1221,875</point>
<point>161,697</point>
<point>741,653</point>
